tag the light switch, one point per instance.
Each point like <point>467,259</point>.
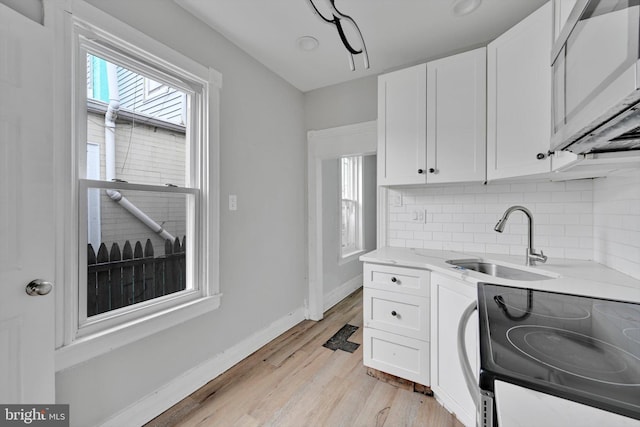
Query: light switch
<point>233,202</point>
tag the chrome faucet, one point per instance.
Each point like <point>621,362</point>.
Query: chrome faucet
<point>532,255</point>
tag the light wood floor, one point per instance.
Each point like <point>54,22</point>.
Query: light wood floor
<point>295,381</point>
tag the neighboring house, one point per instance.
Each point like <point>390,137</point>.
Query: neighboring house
<point>149,149</point>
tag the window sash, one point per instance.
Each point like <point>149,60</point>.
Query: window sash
<point>350,206</point>
<point>195,102</point>
<point>194,289</point>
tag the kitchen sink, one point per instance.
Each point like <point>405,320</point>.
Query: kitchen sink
<point>497,270</point>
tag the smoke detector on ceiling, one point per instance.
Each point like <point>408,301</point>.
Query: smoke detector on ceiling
<point>307,43</point>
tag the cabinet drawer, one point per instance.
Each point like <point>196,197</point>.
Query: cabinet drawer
<point>404,357</point>
<point>398,279</point>
<point>402,314</point>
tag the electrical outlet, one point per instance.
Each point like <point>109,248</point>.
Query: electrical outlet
<point>396,199</point>
<point>419,216</point>
<point>233,202</point>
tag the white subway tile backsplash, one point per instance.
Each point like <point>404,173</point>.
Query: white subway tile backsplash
<point>485,238</point>
<point>582,219</point>
<point>616,221</point>
<point>537,197</point>
<point>511,198</point>
<point>454,226</point>
<point>498,249</point>
<point>462,237</point>
<point>474,247</point>
<point>579,184</point>
<point>462,218</point>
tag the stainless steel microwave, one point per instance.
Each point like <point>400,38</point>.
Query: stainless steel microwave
<point>596,78</point>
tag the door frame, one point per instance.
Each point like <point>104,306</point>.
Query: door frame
<point>356,139</point>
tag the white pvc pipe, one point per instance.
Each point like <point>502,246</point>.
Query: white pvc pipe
<point>110,156</point>
<point>110,121</point>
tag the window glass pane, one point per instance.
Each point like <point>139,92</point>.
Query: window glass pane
<point>131,263</point>
<point>138,123</point>
<point>351,223</point>
<point>348,225</point>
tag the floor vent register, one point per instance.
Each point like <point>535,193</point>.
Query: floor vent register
<point>339,340</point>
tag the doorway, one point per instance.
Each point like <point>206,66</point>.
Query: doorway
<point>332,276</point>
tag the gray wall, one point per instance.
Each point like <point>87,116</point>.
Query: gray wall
<point>342,104</point>
<point>263,245</point>
<point>30,8</point>
<point>334,273</point>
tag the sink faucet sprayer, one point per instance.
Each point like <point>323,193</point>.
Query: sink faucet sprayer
<point>532,255</point>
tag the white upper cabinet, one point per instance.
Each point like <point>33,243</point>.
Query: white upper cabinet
<point>519,98</point>
<point>402,126</point>
<point>456,118</point>
<point>432,122</point>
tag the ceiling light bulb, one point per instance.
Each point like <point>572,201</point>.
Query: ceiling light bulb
<point>307,43</point>
<point>463,7</point>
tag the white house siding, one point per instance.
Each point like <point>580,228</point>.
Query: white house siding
<point>144,155</point>
<point>166,106</point>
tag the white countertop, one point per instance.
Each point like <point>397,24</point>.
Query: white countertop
<point>570,276</point>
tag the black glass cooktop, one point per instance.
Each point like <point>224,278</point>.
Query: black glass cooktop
<point>578,348</point>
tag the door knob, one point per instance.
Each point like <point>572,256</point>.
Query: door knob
<point>38,287</point>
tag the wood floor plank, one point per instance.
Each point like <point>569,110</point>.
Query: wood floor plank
<point>294,381</point>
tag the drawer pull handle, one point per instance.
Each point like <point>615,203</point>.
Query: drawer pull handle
<point>393,313</point>
<point>394,280</point>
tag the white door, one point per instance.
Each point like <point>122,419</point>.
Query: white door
<point>26,211</point>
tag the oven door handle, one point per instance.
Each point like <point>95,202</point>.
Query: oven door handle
<point>467,371</point>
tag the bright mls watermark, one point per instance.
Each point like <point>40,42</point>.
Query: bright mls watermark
<point>34,415</point>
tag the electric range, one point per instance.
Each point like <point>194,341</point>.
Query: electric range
<point>579,348</point>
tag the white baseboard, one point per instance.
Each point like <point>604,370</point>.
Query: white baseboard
<point>341,292</point>
<point>174,391</point>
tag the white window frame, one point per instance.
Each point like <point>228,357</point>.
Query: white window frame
<point>80,28</point>
<point>356,178</point>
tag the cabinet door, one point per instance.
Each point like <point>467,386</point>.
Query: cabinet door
<point>449,299</point>
<point>456,118</point>
<point>397,355</point>
<point>402,124</point>
<point>519,98</point>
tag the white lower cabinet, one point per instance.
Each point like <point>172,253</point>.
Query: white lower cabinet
<point>397,321</point>
<point>449,299</point>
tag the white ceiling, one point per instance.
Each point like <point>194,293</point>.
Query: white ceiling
<point>397,33</point>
